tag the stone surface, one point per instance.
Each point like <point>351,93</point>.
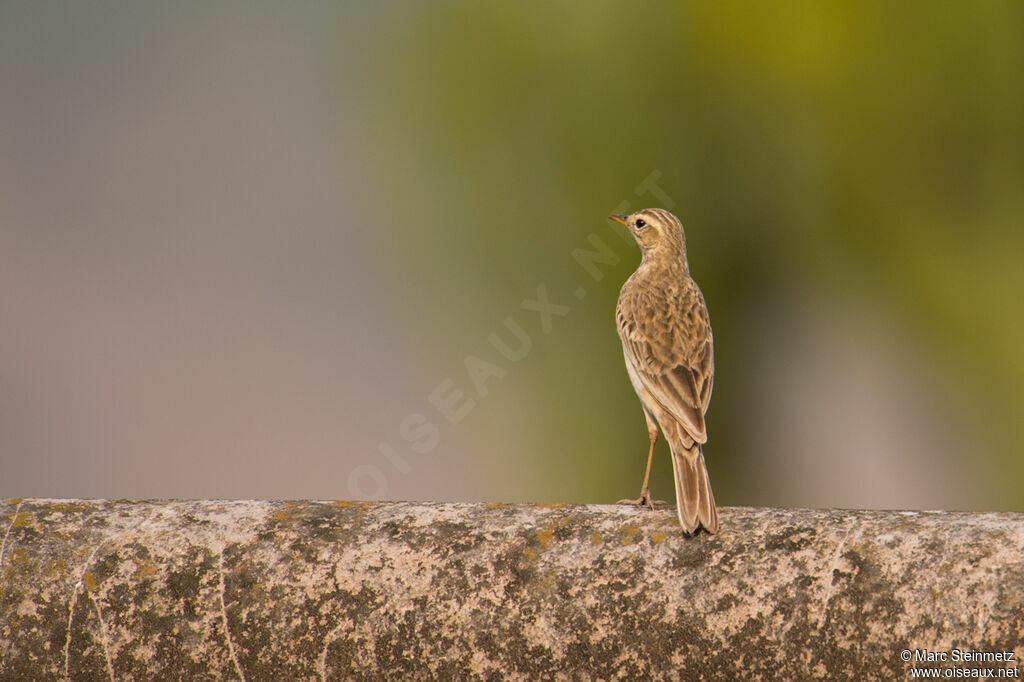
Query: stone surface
<point>98,590</point>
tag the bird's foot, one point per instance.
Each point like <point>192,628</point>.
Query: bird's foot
<point>643,501</point>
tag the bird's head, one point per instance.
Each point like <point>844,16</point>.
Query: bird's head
<point>657,231</point>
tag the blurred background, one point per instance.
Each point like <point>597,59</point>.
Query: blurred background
<point>327,250</point>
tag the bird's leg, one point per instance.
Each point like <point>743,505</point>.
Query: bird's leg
<point>645,492</point>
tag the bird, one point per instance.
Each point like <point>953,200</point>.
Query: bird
<point>666,339</point>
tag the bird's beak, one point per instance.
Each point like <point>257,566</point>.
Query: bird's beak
<point>622,219</point>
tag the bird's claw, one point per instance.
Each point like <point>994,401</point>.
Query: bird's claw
<point>643,501</point>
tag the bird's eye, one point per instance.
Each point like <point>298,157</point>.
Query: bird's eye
<point>640,223</point>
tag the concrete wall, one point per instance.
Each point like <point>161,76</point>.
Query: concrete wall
<point>98,590</point>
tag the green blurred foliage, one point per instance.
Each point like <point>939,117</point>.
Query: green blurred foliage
<point>870,151</point>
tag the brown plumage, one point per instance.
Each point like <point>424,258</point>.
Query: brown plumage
<point>666,338</point>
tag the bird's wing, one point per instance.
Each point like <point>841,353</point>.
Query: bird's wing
<point>673,357</point>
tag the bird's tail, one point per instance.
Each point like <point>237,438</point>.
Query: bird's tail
<point>695,503</point>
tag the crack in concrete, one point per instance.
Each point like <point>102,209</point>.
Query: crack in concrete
<point>224,615</point>
<point>103,637</point>
<point>71,608</point>
<point>833,565</point>
<point>81,583</point>
<point>14,519</point>
<point>328,640</point>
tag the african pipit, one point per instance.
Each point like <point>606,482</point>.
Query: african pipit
<point>666,338</point>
